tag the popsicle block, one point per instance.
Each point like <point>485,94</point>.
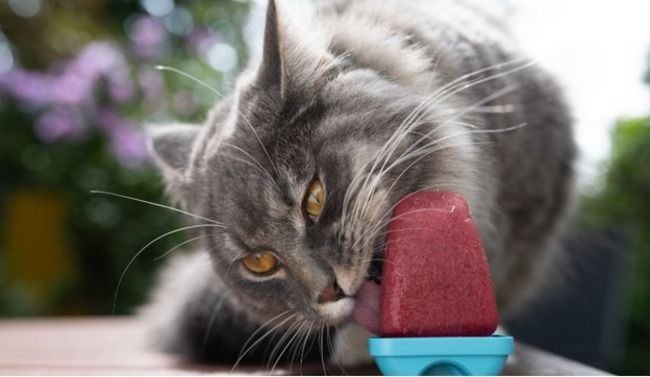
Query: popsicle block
<point>436,279</point>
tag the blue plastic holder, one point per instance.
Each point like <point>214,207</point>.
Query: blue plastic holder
<point>441,356</point>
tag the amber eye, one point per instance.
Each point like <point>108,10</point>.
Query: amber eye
<point>314,199</point>
<point>260,263</point>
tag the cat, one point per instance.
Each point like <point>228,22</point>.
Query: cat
<point>292,178</point>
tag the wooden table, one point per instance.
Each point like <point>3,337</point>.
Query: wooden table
<point>100,346</point>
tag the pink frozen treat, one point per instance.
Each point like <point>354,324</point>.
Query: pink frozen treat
<point>436,279</point>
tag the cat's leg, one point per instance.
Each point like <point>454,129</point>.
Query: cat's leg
<point>192,314</point>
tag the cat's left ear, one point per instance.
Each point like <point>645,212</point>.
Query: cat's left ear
<point>294,60</point>
<point>170,146</point>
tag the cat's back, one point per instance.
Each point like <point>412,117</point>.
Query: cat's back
<point>407,40</point>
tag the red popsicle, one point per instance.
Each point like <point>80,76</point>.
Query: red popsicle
<point>436,280</point>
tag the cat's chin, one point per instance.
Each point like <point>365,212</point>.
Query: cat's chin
<point>337,311</point>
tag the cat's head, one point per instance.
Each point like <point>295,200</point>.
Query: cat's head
<point>301,167</point>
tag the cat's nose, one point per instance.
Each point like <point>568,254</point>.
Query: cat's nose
<point>330,294</point>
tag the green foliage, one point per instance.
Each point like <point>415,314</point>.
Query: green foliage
<point>624,204</point>
<point>105,232</point>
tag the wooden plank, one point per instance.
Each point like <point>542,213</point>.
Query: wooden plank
<point>100,346</point>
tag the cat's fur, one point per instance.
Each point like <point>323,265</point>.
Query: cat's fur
<point>378,99</point>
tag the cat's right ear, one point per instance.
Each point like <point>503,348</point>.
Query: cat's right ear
<point>271,71</point>
<point>170,147</point>
<point>294,60</point>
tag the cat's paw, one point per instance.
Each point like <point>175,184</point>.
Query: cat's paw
<point>351,346</point>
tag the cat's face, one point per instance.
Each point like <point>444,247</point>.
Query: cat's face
<point>302,200</point>
<point>302,167</point>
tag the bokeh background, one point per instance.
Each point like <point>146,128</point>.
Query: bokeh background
<point>78,80</point>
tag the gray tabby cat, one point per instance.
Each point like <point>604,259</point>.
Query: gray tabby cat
<point>293,176</point>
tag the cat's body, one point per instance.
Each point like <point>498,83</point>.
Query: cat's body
<point>439,84</point>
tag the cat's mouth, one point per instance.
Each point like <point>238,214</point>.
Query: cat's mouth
<point>367,298</point>
<point>333,312</point>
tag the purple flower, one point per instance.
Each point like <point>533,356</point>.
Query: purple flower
<point>30,87</point>
<point>103,60</point>
<point>129,145</point>
<point>152,85</point>
<point>127,142</point>
<point>70,88</point>
<point>148,37</point>
<point>120,89</point>
<point>75,82</point>
<point>202,38</point>
<point>59,124</point>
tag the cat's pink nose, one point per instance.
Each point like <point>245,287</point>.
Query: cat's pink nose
<point>331,293</point>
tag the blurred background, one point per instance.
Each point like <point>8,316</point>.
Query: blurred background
<point>78,79</point>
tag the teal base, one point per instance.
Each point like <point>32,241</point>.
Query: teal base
<point>443,356</point>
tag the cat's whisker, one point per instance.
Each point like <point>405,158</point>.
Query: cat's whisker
<point>269,356</point>
<point>265,173</point>
<point>493,109</point>
<point>119,283</point>
<point>375,161</point>
<point>413,145</point>
<point>296,344</point>
<point>478,104</point>
<point>286,347</point>
<point>382,155</point>
<point>416,122</point>
<point>322,357</point>
<point>102,192</point>
<point>383,221</point>
<point>179,246</point>
<point>189,76</point>
<point>259,165</point>
<point>389,211</point>
<point>285,340</point>
<point>421,150</point>
<point>445,91</point>
<point>272,342</point>
<point>364,209</point>
<point>211,321</point>
<point>330,348</point>
<point>389,146</point>
<point>423,154</point>
<point>408,154</point>
<point>246,348</point>
<point>225,98</point>
<point>304,344</point>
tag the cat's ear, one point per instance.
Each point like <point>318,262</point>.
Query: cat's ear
<point>293,58</point>
<point>270,73</point>
<point>170,147</point>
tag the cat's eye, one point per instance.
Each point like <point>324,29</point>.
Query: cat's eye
<point>314,199</point>
<point>260,263</point>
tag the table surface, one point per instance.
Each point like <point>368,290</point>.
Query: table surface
<point>100,346</point>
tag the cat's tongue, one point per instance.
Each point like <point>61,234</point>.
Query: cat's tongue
<point>366,308</point>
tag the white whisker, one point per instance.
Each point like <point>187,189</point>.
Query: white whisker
<point>224,97</point>
<point>155,204</point>
<point>119,283</point>
<point>245,350</point>
<point>286,347</point>
<point>179,246</point>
